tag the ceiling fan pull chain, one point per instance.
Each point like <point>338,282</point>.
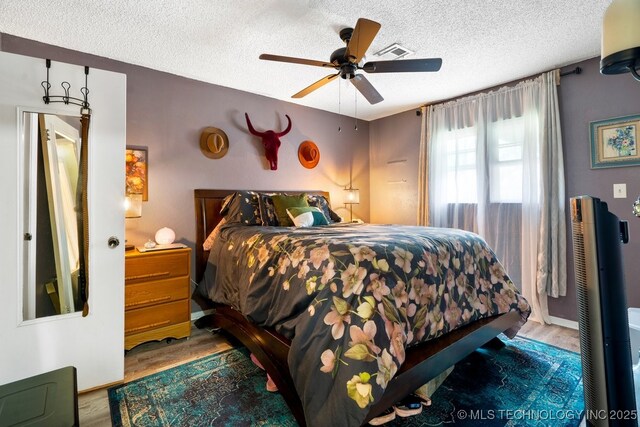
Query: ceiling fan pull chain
<point>339,103</point>
<point>355,92</point>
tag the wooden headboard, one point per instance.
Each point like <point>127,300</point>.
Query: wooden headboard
<point>207,207</point>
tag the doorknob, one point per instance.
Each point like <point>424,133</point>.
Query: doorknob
<point>113,242</point>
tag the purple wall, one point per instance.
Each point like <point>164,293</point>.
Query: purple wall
<point>584,98</point>
<point>167,113</point>
<point>394,146</point>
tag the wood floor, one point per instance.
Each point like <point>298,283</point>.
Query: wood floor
<point>153,357</point>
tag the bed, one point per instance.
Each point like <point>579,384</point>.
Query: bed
<point>349,346</point>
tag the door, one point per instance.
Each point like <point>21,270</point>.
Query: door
<point>93,344</point>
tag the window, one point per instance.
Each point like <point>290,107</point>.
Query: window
<point>505,161</point>
<point>505,140</point>
<point>461,166</point>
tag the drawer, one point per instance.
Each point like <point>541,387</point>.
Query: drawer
<point>161,265</point>
<point>137,295</point>
<point>157,316</point>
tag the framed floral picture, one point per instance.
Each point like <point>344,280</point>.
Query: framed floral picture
<point>137,171</point>
<point>614,142</point>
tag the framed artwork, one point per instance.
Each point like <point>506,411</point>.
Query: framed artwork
<point>614,142</point>
<point>137,171</point>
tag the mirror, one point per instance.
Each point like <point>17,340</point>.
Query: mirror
<point>54,216</point>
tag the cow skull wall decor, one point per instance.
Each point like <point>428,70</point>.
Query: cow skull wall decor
<point>270,140</point>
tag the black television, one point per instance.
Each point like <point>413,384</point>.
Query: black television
<point>602,313</point>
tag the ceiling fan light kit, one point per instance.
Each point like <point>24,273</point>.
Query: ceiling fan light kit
<point>346,61</point>
<point>621,38</point>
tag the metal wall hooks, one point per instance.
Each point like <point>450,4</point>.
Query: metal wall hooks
<point>66,87</point>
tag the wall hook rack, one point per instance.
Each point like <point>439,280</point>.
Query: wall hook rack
<point>66,87</point>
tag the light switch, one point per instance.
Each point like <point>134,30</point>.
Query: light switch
<point>619,191</point>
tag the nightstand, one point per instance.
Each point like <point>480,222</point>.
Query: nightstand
<point>156,298</point>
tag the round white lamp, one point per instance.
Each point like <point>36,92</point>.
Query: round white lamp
<point>165,236</point>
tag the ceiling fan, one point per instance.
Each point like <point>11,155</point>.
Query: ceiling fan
<point>346,61</point>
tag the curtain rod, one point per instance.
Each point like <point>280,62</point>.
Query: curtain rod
<point>576,70</point>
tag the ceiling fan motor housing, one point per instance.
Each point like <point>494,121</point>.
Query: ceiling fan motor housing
<point>347,68</point>
<point>338,56</point>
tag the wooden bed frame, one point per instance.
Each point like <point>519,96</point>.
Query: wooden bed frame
<point>423,362</point>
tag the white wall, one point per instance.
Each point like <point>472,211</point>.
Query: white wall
<point>94,344</point>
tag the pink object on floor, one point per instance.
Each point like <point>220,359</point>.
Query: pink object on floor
<point>256,361</point>
<point>271,386</point>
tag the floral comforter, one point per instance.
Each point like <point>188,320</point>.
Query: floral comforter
<point>353,297</point>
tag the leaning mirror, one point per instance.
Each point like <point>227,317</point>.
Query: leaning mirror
<point>53,215</point>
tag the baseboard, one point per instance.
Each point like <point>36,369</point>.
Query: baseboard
<point>100,387</point>
<point>195,315</point>
<point>563,322</point>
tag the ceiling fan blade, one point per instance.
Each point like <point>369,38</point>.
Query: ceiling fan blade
<point>361,38</point>
<point>366,89</point>
<point>323,81</point>
<point>290,59</point>
<point>403,66</point>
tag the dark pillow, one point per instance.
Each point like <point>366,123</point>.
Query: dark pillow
<point>267,210</point>
<point>307,216</point>
<point>334,216</point>
<point>282,202</point>
<point>242,207</point>
<point>321,202</point>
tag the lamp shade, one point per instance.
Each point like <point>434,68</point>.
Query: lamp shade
<point>133,206</point>
<point>352,197</point>
<point>621,38</point>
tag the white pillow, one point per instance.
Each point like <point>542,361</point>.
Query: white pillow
<point>306,216</point>
<point>302,220</point>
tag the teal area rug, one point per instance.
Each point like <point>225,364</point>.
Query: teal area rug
<point>526,383</point>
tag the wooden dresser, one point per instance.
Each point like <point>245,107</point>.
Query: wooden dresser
<point>157,291</point>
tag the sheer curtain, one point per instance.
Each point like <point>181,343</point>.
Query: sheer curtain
<point>423,170</point>
<point>496,168</point>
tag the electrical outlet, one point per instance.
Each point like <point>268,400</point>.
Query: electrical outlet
<point>619,191</point>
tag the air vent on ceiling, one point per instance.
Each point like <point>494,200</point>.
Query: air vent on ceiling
<point>395,51</point>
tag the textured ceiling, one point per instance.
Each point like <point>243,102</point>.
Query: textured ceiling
<point>482,43</point>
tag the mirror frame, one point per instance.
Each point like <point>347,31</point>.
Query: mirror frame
<point>28,216</point>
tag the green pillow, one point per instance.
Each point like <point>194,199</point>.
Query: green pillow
<point>307,216</point>
<point>282,202</point>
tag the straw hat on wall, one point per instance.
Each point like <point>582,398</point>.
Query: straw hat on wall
<point>214,143</point>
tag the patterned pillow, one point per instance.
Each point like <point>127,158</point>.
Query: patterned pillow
<point>321,202</point>
<point>242,207</point>
<point>267,210</point>
<point>307,216</point>
<point>282,202</point>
